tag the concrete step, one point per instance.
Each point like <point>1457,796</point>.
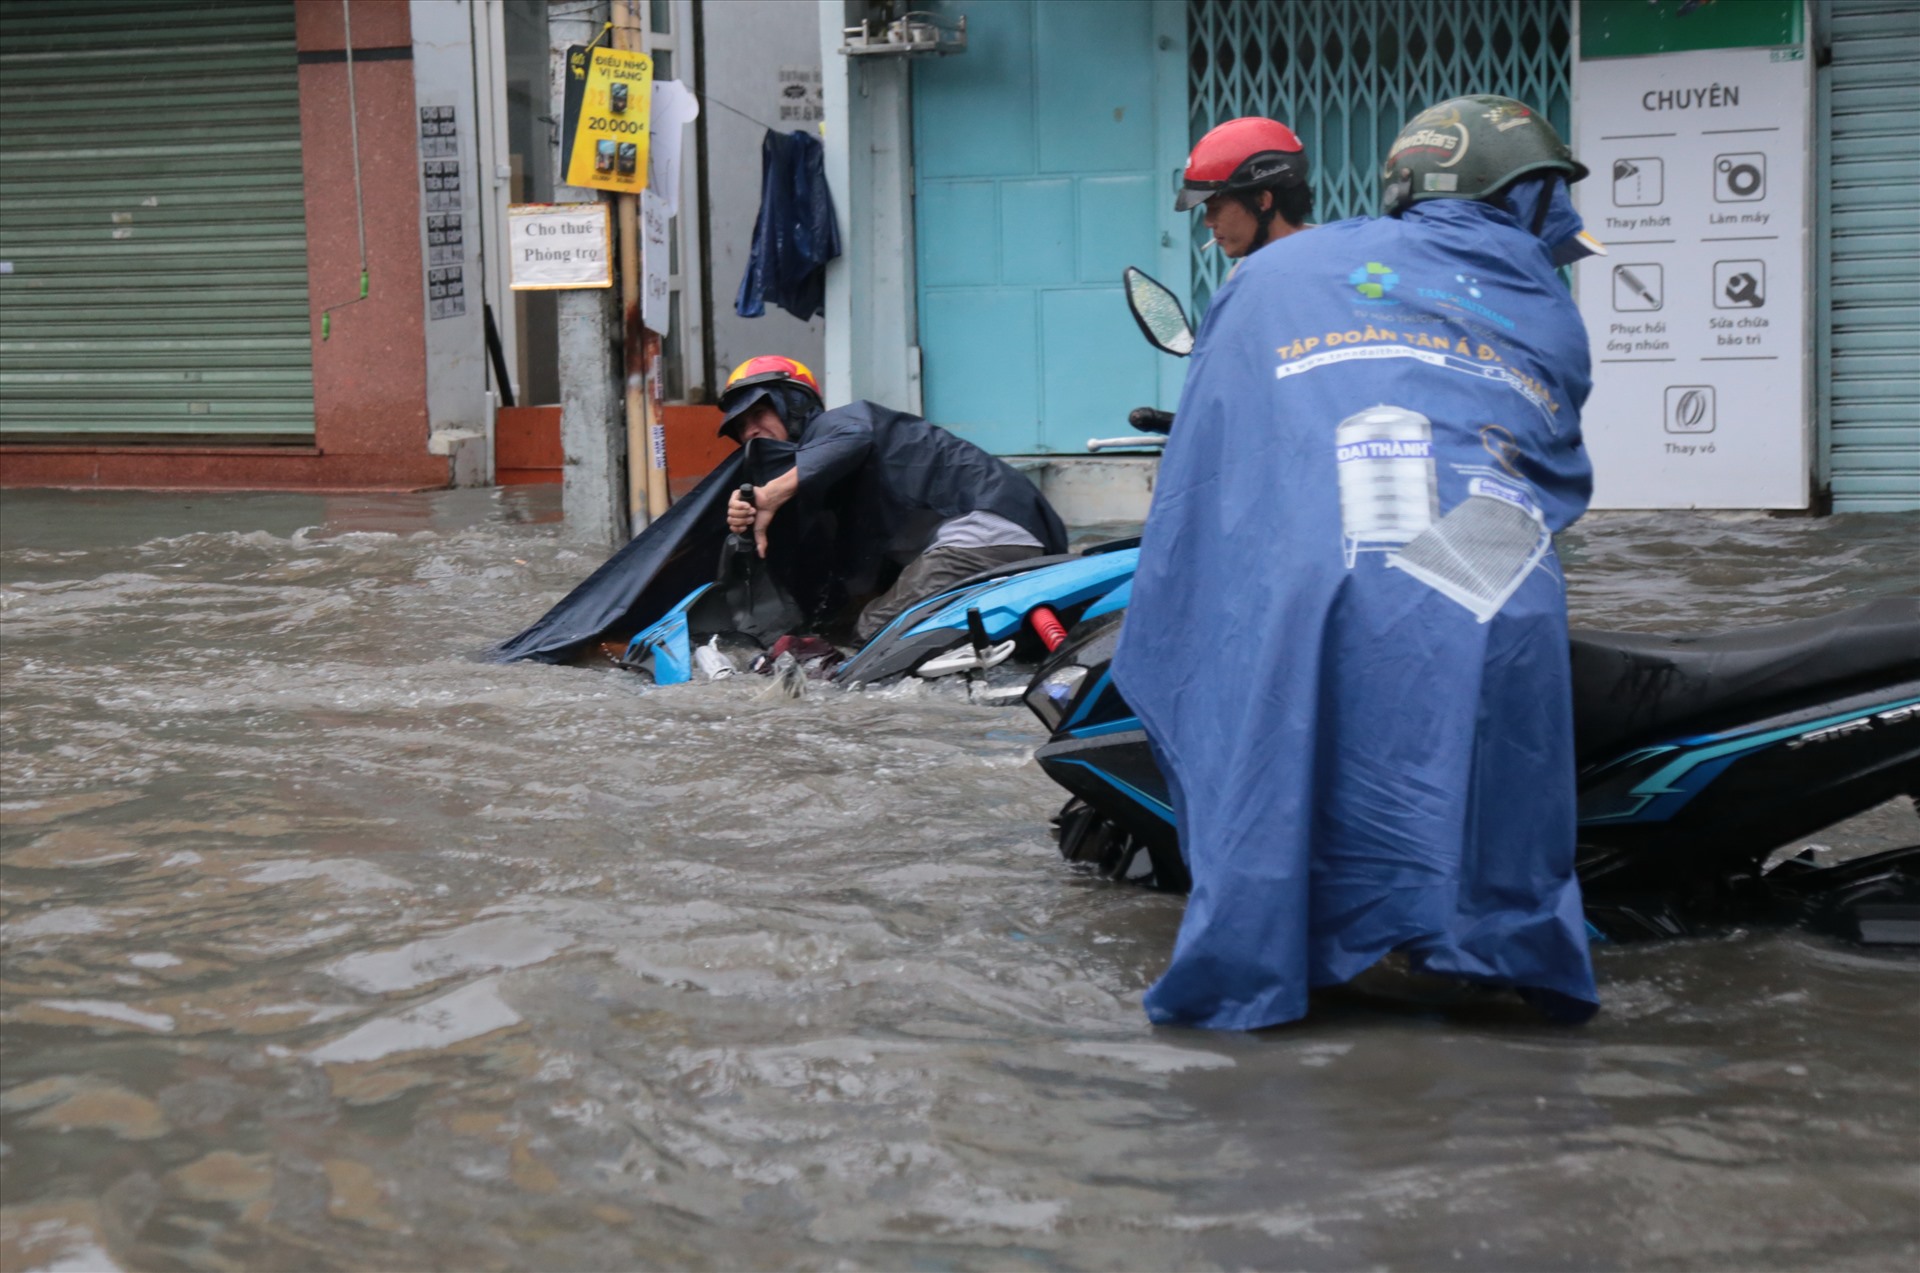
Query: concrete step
<point>1091,489</point>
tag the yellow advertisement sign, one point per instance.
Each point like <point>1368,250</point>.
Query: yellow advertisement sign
<point>609,149</point>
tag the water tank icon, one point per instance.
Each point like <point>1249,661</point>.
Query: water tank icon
<point>1388,492</point>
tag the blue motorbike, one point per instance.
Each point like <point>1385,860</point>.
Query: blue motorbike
<point>1698,757</point>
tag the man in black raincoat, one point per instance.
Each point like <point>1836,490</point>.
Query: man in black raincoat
<point>866,504</point>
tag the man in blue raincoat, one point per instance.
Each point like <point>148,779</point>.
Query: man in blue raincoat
<point>1347,639</point>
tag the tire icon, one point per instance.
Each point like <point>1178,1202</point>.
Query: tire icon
<point>1690,409</point>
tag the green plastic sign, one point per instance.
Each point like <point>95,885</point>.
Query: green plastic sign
<point>1632,28</point>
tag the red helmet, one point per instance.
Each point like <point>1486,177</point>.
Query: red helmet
<point>750,380</point>
<point>1242,154</point>
<point>768,368</point>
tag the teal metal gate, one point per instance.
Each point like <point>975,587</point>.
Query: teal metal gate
<point>1346,76</point>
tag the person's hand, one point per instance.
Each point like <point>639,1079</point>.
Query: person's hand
<point>741,515</point>
<point>766,502</point>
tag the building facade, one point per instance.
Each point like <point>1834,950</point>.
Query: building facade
<point>178,217</point>
<point>254,261</point>
<point>259,243</point>
<point>1032,166</point>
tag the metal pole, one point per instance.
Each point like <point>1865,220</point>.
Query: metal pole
<point>592,490</point>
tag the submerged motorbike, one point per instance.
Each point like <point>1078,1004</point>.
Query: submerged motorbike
<point>1010,614</point>
<point>1013,614</point>
<point>1698,757</point>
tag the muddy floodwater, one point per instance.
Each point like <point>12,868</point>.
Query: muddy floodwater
<point>327,946</point>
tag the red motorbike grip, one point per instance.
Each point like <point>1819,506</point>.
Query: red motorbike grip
<point>1047,624</point>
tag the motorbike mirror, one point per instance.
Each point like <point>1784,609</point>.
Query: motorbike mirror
<point>1158,312</point>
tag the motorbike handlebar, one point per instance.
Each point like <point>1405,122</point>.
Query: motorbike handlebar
<point>1151,420</point>
<point>743,543</point>
<point>1135,443</point>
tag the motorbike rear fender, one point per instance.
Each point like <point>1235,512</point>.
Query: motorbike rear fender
<point>1003,605</point>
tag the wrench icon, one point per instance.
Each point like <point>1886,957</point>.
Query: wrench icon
<point>1744,289</point>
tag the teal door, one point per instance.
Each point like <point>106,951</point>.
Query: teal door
<point>1042,168</point>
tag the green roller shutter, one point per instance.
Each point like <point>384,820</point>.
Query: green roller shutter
<point>1872,389</point>
<point>151,222</point>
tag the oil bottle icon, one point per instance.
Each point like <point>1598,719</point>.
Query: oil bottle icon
<point>1388,491</point>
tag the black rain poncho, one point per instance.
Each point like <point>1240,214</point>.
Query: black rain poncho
<point>874,486</point>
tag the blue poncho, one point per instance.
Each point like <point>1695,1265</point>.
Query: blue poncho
<point>1348,632</point>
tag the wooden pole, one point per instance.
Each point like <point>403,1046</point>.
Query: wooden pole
<point>646,445</point>
<point>656,431</point>
<point>639,454</point>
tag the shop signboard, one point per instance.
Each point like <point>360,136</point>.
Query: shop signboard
<point>1699,315</point>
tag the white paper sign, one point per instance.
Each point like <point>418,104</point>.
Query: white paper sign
<point>674,107</point>
<point>655,313</point>
<point>559,245</point>
<point>1698,314</point>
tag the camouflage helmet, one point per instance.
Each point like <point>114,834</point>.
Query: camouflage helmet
<point>1471,148</point>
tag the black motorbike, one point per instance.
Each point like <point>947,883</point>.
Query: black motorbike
<point>1698,758</point>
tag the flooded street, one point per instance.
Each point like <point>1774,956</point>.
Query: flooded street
<point>328,946</point>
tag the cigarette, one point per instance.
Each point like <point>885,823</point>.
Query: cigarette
<point>1208,245</point>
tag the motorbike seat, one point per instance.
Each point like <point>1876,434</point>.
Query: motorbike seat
<point>1631,687</point>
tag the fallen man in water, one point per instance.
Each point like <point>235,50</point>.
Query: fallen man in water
<point>880,506</point>
<point>854,514</point>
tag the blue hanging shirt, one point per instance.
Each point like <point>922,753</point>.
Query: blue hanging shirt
<point>795,234</point>
<point>1348,634</point>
